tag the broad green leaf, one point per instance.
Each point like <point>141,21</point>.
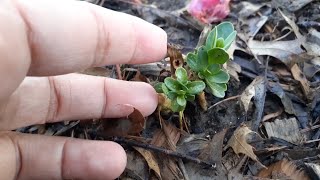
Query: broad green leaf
<point>181,75</point>
<point>201,75</point>
<point>211,39</point>
<point>158,87</point>
<point>172,95</point>
<point>213,68</point>
<point>192,62</point>
<point>190,97</point>
<point>195,87</point>
<point>216,89</point>
<point>220,77</point>
<point>165,89</point>
<point>220,43</point>
<point>172,84</point>
<point>176,107</point>
<point>217,56</point>
<point>202,58</point>
<point>224,30</point>
<point>181,92</point>
<point>229,40</point>
<point>181,101</point>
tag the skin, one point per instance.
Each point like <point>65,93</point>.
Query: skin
<point>42,42</point>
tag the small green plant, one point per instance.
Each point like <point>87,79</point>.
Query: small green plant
<point>180,90</point>
<point>206,63</point>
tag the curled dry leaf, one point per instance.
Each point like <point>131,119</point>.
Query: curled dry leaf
<point>238,142</point>
<point>248,93</point>
<point>283,169</point>
<point>176,59</point>
<point>132,125</point>
<point>151,160</point>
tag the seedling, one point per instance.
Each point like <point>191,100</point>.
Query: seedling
<point>206,63</point>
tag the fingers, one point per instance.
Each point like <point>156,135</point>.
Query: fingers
<point>72,97</point>
<point>50,37</point>
<point>67,36</point>
<point>45,157</point>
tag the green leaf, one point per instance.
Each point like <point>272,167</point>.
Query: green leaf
<point>181,92</point>
<point>172,95</point>
<point>216,89</point>
<point>182,75</point>
<point>165,89</point>
<point>181,101</point>
<point>176,107</point>
<point>220,77</point>
<point>224,30</point>
<point>172,84</point>
<point>192,62</point>
<point>190,97</point>
<point>158,87</point>
<point>211,39</point>
<point>202,59</point>
<point>217,56</point>
<point>195,87</point>
<point>229,40</point>
<point>213,69</point>
<point>220,43</point>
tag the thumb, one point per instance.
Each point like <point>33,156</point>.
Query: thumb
<point>24,156</point>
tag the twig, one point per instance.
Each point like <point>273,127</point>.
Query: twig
<point>222,101</point>
<point>309,129</point>
<point>164,151</point>
<point>272,115</point>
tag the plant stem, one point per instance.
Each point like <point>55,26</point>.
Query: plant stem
<point>180,119</point>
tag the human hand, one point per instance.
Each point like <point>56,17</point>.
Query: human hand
<point>49,38</point>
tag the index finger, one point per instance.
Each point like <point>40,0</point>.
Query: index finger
<point>67,36</point>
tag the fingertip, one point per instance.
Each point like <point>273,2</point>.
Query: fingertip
<point>151,42</point>
<point>152,99</point>
<point>93,160</point>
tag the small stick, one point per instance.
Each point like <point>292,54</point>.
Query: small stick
<point>272,115</point>
<point>164,151</point>
<point>227,99</point>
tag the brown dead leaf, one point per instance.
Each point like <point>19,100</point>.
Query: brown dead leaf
<point>249,92</point>
<point>151,160</point>
<point>304,83</point>
<point>176,59</point>
<point>132,125</point>
<point>238,142</point>
<point>283,169</point>
<point>140,77</point>
<point>167,137</point>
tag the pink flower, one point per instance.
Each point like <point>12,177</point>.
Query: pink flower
<point>208,11</point>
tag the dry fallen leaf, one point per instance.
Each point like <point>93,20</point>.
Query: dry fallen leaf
<point>202,101</point>
<point>238,142</point>
<point>278,49</point>
<point>151,160</point>
<point>283,169</point>
<point>132,125</point>
<point>249,92</point>
<point>140,77</point>
<point>176,59</point>
<point>304,83</point>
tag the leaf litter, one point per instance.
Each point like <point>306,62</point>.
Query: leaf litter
<point>273,89</point>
